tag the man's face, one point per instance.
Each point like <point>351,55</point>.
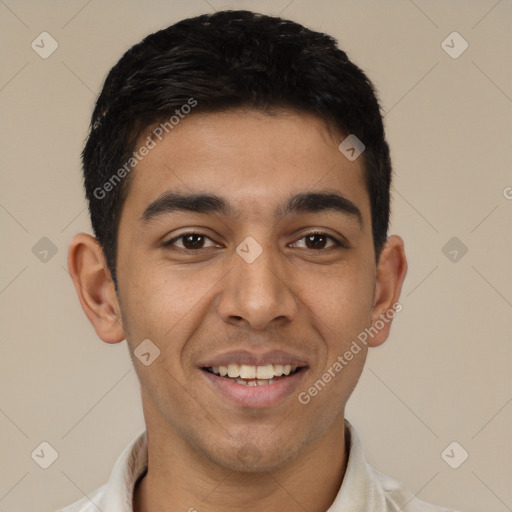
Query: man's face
<point>205,301</point>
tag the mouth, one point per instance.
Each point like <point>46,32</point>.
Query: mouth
<point>249,386</point>
<point>248,375</point>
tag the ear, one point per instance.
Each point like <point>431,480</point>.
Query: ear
<point>391,272</point>
<point>95,288</point>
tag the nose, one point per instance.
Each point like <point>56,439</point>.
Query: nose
<point>257,293</point>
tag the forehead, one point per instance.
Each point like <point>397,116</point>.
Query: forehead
<point>254,161</point>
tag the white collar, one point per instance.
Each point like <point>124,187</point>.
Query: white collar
<point>364,489</point>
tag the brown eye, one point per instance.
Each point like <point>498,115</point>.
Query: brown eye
<point>189,241</point>
<point>193,241</point>
<point>317,241</point>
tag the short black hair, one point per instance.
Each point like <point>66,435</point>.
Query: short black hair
<point>215,62</point>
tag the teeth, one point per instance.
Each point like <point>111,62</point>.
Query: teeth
<point>233,370</point>
<point>249,372</point>
<point>255,382</point>
<point>265,372</point>
<point>244,371</point>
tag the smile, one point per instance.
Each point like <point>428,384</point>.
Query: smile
<point>253,375</point>
<point>255,386</point>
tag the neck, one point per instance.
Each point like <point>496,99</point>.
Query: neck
<point>177,481</point>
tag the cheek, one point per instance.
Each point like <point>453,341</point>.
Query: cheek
<point>341,303</point>
<point>163,305</point>
<point>341,309</point>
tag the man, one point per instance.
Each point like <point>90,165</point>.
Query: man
<point>238,182</point>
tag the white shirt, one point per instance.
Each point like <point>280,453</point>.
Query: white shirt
<point>364,489</point>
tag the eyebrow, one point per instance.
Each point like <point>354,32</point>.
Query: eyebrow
<point>306,202</point>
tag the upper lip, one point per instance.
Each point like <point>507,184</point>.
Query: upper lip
<point>254,359</point>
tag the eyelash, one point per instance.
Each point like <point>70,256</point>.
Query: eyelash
<point>338,243</point>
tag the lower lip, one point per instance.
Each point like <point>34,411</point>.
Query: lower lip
<point>266,395</point>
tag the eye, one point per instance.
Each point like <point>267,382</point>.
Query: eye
<point>190,241</point>
<point>316,241</point>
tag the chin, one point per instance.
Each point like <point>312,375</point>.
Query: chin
<point>263,465</point>
<point>248,457</point>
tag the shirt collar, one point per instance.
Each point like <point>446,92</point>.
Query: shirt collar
<point>357,488</point>
<point>130,465</point>
<point>362,488</point>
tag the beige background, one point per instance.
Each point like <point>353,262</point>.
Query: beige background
<point>445,373</point>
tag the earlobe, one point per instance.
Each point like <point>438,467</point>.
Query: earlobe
<point>391,272</point>
<point>95,289</point>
